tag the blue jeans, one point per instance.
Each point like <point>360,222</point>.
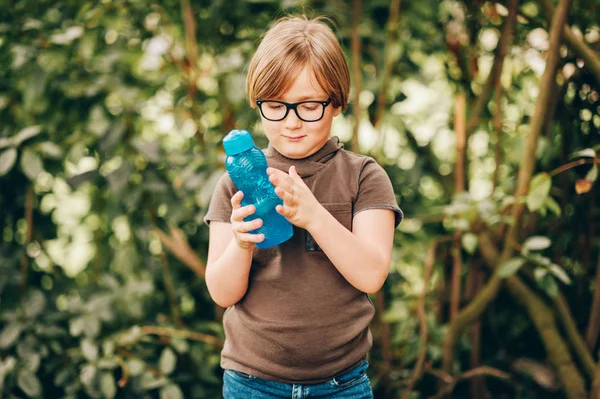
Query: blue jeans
<point>353,384</point>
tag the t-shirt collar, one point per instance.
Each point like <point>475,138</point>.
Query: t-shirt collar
<point>308,166</point>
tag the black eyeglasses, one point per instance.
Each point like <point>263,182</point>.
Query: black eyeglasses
<point>307,111</point>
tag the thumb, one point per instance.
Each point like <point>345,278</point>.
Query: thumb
<point>294,174</point>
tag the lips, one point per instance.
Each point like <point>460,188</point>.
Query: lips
<point>294,137</point>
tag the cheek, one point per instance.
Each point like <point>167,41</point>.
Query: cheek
<point>269,127</point>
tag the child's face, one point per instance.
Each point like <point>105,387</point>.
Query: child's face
<point>293,137</point>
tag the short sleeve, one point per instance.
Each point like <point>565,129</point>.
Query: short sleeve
<point>220,208</point>
<point>375,191</point>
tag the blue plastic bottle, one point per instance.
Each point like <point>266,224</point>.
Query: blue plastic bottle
<point>247,167</point>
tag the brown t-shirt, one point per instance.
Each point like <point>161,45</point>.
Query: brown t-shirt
<point>300,320</point>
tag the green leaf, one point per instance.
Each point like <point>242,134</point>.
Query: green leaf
<point>167,361</point>
<point>34,304</point>
<point>76,326</point>
<point>588,153</point>
<point>536,243</point>
<point>171,391</point>
<point>592,174</point>
<point>7,160</point>
<point>51,150</point>
<point>5,142</point>
<point>510,267</point>
<point>559,273</point>
<point>149,381</point>
<point>538,191</point>
<point>9,335</point>
<point>31,361</point>
<point>469,242</point>
<point>89,349</point>
<point>151,150</point>
<point>29,383</point>
<point>107,385</point>
<point>88,375</point>
<point>26,134</point>
<point>548,284</point>
<point>136,367</point>
<point>553,206</point>
<point>6,367</point>
<point>32,165</point>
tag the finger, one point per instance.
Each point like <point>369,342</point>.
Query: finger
<point>283,210</point>
<point>287,197</point>
<point>282,180</point>
<point>245,227</point>
<point>236,200</point>
<point>247,237</point>
<point>239,214</point>
<point>294,174</point>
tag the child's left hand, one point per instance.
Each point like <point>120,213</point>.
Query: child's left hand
<point>300,206</point>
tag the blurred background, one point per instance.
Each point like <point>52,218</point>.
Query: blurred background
<point>485,115</point>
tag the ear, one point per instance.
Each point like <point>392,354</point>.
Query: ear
<point>336,111</point>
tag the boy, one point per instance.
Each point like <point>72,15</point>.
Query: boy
<point>297,318</point>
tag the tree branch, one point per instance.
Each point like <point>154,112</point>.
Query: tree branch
<point>169,332</point>
<point>192,47</point>
<point>450,382</point>
<point>168,278</point>
<point>496,71</point>
<point>545,322</point>
<point>356,61</point>
<point>596,383</point>
<point>469,313</point>
<point>459,187</point>
<point>177,244</point>
<point>589,56</point>
<point>566,318</point>
<point>593,327</point>
<point>421,313</point>
<point>28,235</point>
<point>392,30</point>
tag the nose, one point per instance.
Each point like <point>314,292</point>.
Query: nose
<point>292,121</point>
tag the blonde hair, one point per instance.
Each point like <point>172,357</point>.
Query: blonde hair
<point>291,44</point>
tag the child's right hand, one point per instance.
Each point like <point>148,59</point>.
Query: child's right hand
<point>241,228</point>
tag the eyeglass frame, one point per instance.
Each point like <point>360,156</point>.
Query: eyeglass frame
<point>293,106</point>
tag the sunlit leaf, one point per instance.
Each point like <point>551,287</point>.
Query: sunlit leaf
<point>171,391</point>
<point>510,267</point>
<point>88,375</point>
<point>34,304</point>
<point>559,273</point>
<point>7,160</point>
<point>32,165</point>
<point>26,134</point>
<point>29,383</point>
<point>150,150</point>
<point>9,334</point>
<point>588,153</point>
<point>539,189</point>
<point>592,174</point>
<point>51,150</point>
<point>553,206</point>
<point>31,361</point>
<point>89,349</point>
<point>469,242</point>
<point>549,285</point>
<point>107,385</point>
<point>536,243</point>
<point>167,361</point>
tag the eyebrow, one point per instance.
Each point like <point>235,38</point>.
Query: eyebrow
<point>304,98</point>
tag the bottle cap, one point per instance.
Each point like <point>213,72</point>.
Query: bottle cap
<point>237,141</point>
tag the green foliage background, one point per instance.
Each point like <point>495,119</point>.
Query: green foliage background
<point>111,120</point>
